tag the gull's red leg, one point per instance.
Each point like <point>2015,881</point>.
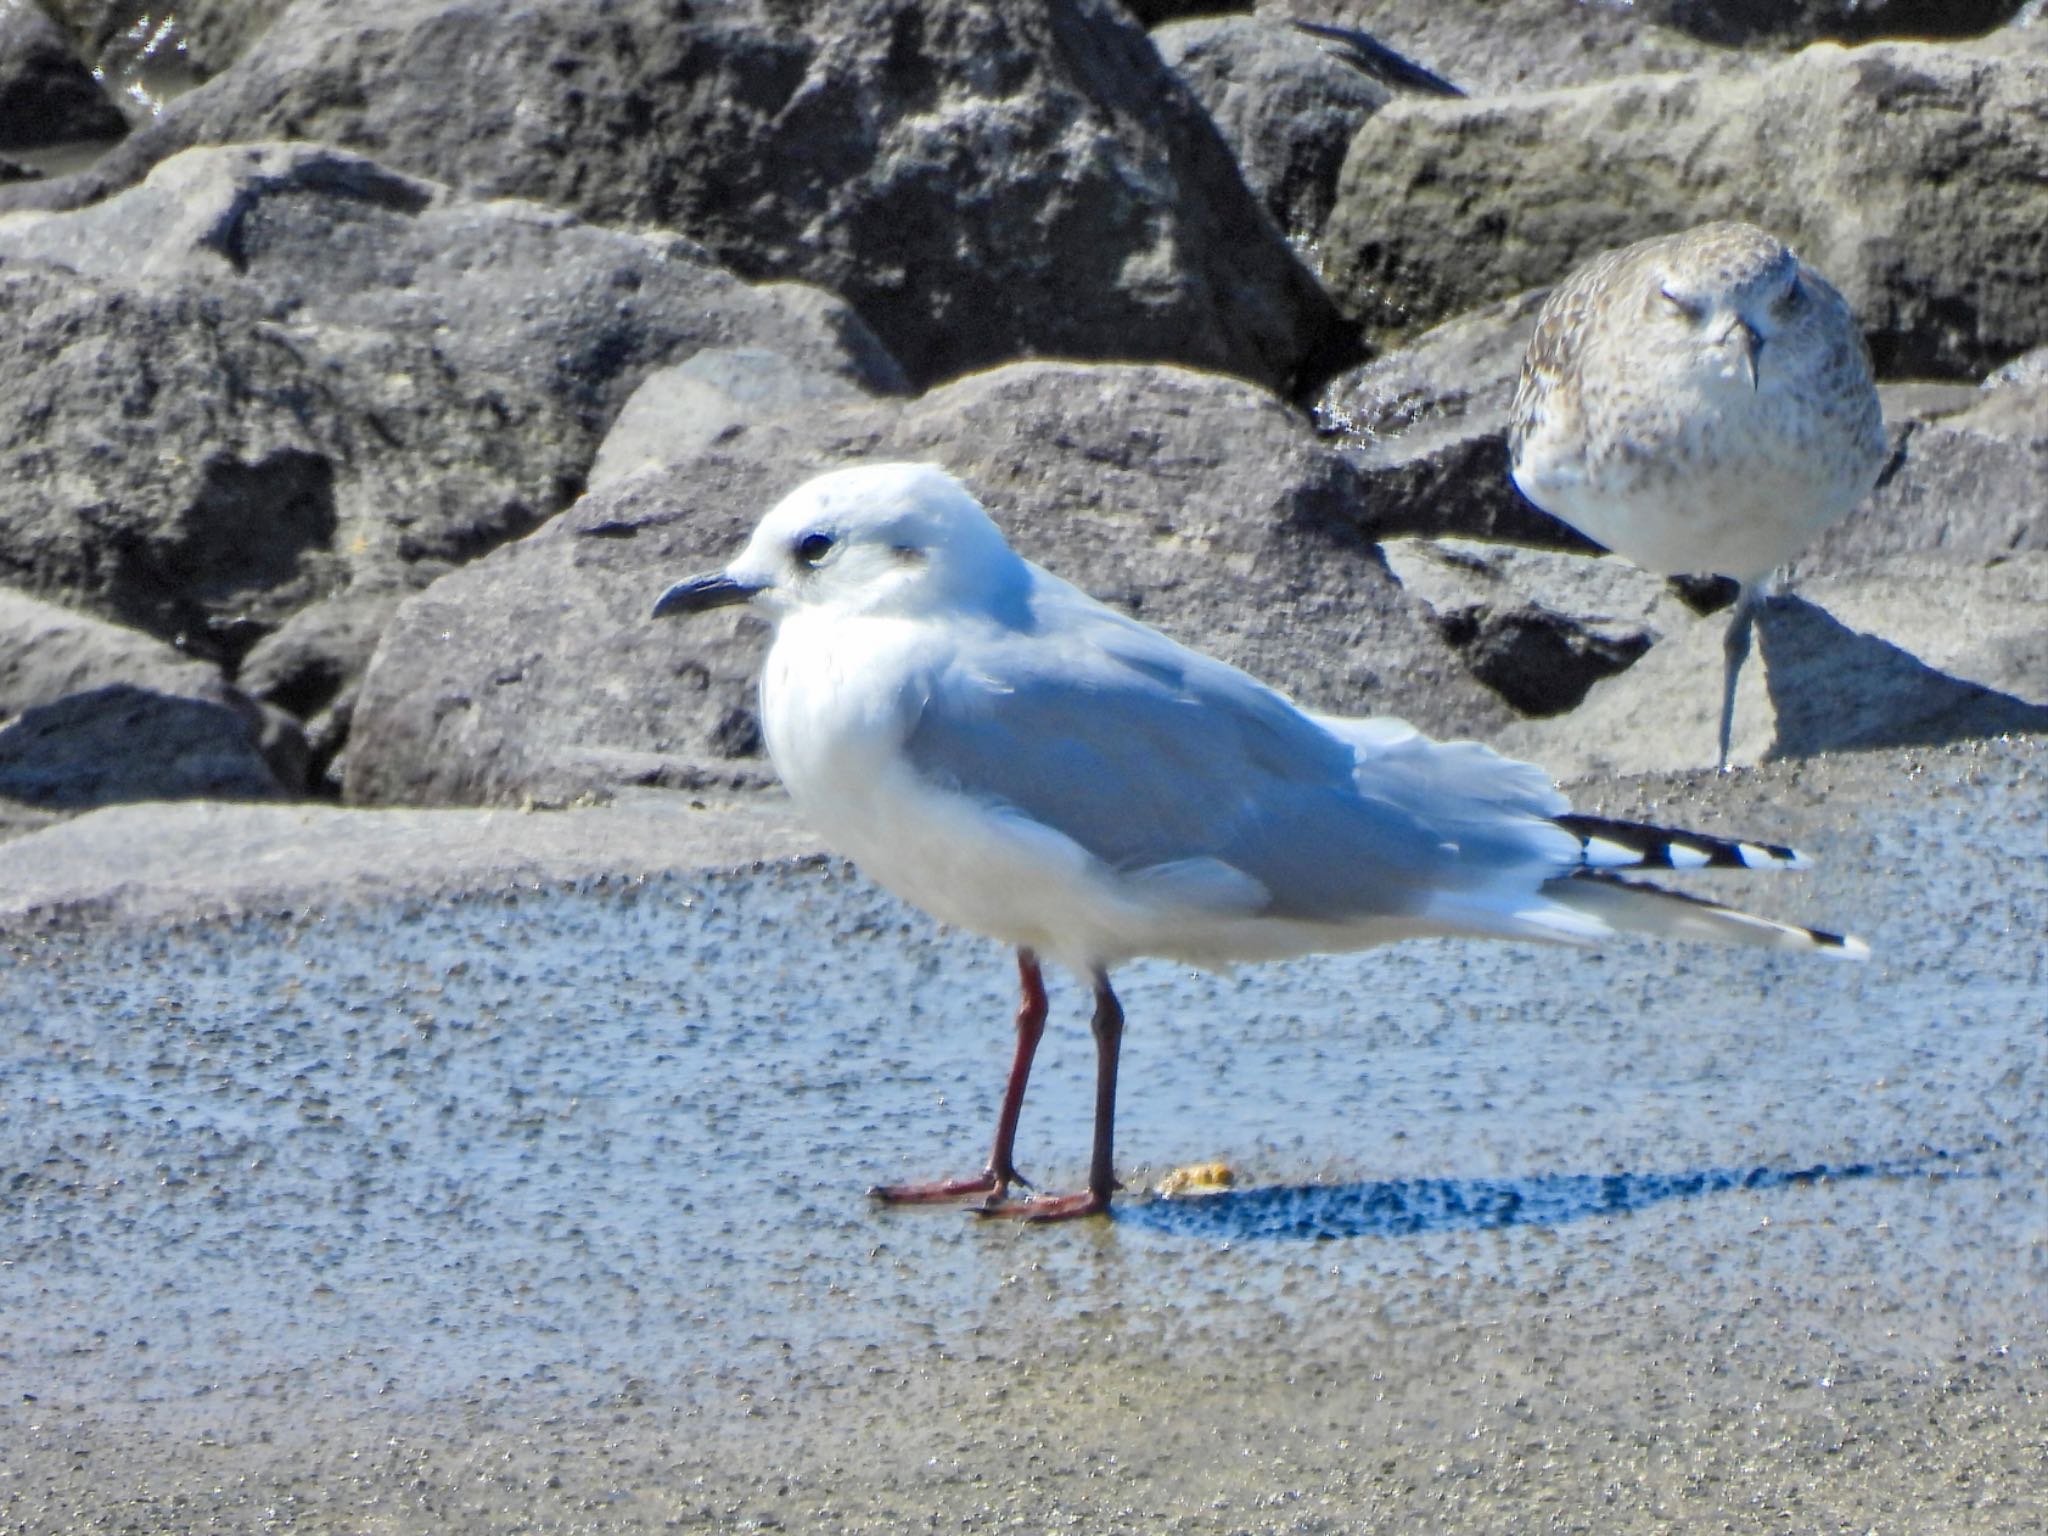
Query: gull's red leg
<point>1109,1033</point>
<point>1001,1171</point>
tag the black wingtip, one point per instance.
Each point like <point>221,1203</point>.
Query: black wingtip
<point>1628,844</point>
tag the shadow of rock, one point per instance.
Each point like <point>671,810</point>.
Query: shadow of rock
<point>120,742</point>
<point>1405,1207</point>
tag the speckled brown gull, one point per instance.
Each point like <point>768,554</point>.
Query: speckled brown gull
<point>1700,402</point>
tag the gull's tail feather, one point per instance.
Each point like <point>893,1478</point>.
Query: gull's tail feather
<point>1608,844</point>
<point>1629,906</point>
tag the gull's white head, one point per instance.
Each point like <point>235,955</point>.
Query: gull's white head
<point>880,538</point>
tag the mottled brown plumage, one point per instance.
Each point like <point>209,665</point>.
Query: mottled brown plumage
<point>1699,402</point>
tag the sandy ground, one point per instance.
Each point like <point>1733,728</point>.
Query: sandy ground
<point>460,1190</point>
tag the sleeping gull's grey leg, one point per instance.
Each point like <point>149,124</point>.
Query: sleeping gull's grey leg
<point>1735,651</point>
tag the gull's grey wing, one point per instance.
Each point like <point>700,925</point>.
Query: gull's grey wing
<point>1149,755</point>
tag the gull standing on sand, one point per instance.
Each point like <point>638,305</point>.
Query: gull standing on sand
<point>1005,752</point>
<point>1700,402</point>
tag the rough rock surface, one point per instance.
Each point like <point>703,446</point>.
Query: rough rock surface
<point>1196,502</point>
<point>201,858</point>
<point>47,94</point>
<point>981,183</point>
<point>91,713</point>
<point>1903,171</point>
<point>1488,47</point>
<point>1537,627</point>
<point>138,487</point>
<point>276,387</point>
<point>1972,485</point>
<point>319,235</point>
<point>1425,427</point>
<point>2027,368</point>
<point>681,410</point>
<point>1286,107</point>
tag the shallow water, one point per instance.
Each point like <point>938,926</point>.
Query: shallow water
<point>586,1165</point>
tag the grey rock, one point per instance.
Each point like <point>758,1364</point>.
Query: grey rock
<point>204,857</point>
<point>47,94</point>
<point>81,751</point>
<point>1777,23</point>
<point>2028,368</point>
<point>1892,168</point>
<point>175,461</point>
<point>210,35</point>
<point>1425,427</point>
<point>281,380</point>
<point>310,667</point>
<point>979,182</point>
<point>683,410</point>
<point>1914,651</point>
<point>1197,502</point>
<point>91,713</point>
<point>1969,485</point>
<point>319,235</point>
<point>1285,106</point>
<point>1497,47</point>
<point>1538,627</point>
<point>149,55</point>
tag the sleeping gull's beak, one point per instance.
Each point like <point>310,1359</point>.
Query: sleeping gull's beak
<point>1749,344</point>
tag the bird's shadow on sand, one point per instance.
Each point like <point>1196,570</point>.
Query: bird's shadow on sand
<point>1404,1207</point>
<point>1833,688</point>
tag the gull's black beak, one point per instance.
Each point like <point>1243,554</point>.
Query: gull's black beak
<point>701,593</point>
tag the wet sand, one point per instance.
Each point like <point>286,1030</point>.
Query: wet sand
<point>542,1210</point>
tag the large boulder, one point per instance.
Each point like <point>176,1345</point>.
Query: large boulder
<point>981,182</point>
<point>1971,485</point>
<point>93,714</point>
<point>1908,173</point>
<point>323,236</point>
<point>176,461</point>
<point>275,379</point>
<point>1286,106</point>
<point>1196,502</point>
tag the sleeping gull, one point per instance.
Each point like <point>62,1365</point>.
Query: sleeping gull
<point>1000,749</point>
<point>1699,402</point>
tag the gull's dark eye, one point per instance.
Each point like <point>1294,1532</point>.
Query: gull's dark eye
<point>812,548</point>
<point>1793,299</point>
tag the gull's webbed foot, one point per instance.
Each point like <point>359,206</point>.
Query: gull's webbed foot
<point>1045,1207</point>
<point>988,1182</point>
